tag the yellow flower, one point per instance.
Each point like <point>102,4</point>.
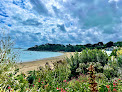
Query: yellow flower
<point>119,52</point>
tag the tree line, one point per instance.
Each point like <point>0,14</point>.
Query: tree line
<point>73,48</point>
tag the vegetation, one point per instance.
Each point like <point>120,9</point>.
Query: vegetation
<point>79,62</point>
<point>73,48</point>
<point>74,74</point>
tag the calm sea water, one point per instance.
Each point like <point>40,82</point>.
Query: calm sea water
<point>26,56</point>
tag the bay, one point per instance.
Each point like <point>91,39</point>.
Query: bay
<point>27,56</point>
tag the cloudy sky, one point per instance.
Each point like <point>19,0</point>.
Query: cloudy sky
<point>35,22</point>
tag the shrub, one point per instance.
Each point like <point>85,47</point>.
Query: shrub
<point>114,52</point>
<point>73,61</point>
<point>7,64</point>
<point>119,52</point>
<point>52,77</point>
<point>119,61</point>
<point>80,61</point>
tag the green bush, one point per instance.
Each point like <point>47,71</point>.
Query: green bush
<point>114,52</point>
<point>79,62</point>
<point>7,64</point>
<point>112,68</point>
<point>119,59</point>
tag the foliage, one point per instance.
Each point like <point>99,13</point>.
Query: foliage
<point>112,86</point>
<point>119,52</point>
<point>79,62</point>
<point>7,64</point>
<point>93,84</point>
<point>60,77</point>
<point>114,52</point>
<point>73,48</point>
<point>109,44</point>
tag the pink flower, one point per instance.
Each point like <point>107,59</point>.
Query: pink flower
<point>39,80</point>
<point>9,87</point>
<point>107,86</point>
<point>62,90</point>
<point>118,79</point>
<point>114,89</point>
<point>42,82</point>
<point>64,80</point>
<point>57,88</point>
<point>33,85</point>
<point>114,84</point>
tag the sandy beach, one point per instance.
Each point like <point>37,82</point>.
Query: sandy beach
<point>34,65</point>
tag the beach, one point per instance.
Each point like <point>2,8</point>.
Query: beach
<point>34,65</point>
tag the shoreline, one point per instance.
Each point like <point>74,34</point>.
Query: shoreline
<point>24,67</point>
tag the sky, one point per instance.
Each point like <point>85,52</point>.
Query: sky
<point>36,22</point>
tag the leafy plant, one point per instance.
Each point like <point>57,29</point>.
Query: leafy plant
<point>80,61</point>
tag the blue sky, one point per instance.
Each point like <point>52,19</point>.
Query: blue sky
<point>35,22</point>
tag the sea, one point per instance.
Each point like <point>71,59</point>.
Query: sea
<point>23,55</point>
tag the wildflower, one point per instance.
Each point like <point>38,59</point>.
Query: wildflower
<point>64,80</point>
<point>62,90</point>
<point>42,82</point>
<point>57,88</point>
<point>33,85</point>
<point>46,85</point>
<point>114,84</point>
<point>39,80</point>
<point>107,86</point>
<point>9,87</point>
<point>114,89</point>
<point>67,82</point>
<point>118,79</point>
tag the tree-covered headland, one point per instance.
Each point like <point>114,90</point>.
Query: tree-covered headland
<point>73,48</point>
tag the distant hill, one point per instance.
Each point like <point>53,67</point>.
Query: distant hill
<point>73,48</point>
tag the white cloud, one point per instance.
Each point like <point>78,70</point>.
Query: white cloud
<point>113,1</point>
<point>62,21</point>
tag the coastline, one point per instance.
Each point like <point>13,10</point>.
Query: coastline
<point>24,67</point>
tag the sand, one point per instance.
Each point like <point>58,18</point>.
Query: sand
<point>34,65</point>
